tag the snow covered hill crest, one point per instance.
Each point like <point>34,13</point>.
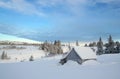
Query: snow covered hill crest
<point>11,38</point>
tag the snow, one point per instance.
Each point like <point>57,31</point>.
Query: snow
<point>70,62</point>
<point>17,55</point>
<point>91,62</point>
<point>73,43</point>
<point>105,67</point>
<point>51,69</point>
<point>5,37</point>
<point>109,58</point>
<point>85,52</point>
<point>65,49</point>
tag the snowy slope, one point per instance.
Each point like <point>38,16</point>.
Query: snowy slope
<point>106,66</point>
<point>5,37</point>
<point>50,69</point>
<point>18,55</point>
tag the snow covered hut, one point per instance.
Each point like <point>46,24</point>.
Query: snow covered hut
<point>80,55</point>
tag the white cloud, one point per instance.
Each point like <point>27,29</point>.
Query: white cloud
<point>20,6</point>
<point>106,1</point>
<point>76,7</point>
<point>49,3</point>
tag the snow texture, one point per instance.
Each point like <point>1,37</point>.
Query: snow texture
<point>4,37</point>
<point>49,68</point>
<point>17,55</point>
<point>85,52</point>
<point>106,66</point>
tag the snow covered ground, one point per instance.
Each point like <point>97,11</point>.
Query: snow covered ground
<point>18,55</point>
<point>106,67</point>
<point>4,37</point>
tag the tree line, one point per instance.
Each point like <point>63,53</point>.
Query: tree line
<point>110,47</point>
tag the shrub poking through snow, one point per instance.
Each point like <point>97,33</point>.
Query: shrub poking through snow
<point>31,58</point>
<point>4,56</point>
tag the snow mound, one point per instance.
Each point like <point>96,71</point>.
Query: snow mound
<point>91,62</point>
<point>56,57</point>
<point>107,58</point>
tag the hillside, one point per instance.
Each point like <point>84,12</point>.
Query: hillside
<point>107,67</point>
<point>11,38</point>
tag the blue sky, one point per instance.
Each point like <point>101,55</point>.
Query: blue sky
<point>65,20</point>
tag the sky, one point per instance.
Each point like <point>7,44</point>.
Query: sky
<point>65,20</point>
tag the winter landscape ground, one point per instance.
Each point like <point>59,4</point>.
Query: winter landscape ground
<point>19,67</point>
<point>106,67</point>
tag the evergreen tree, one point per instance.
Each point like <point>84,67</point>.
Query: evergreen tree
<point>99,47</point>
<point>4,55</point>
<point>110,39</point>
<point>92,44</point>
<point>110,45</point>
<point>117,47</point>
<point>111,42</point>
<point>55,42</point>
<point>85,45</point>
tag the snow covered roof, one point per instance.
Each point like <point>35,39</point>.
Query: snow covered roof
<point>85,52</point>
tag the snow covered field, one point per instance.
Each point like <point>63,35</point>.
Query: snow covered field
<point>17,54</point>
<point>49,68</point>
<point>106,67</point>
